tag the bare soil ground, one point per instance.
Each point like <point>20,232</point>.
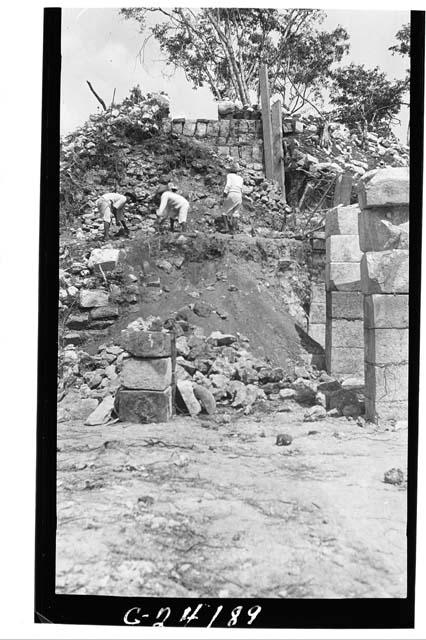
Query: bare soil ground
<point>204,508</point>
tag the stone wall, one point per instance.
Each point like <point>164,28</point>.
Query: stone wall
<point>241,139</point>
<point>148,377</point>
<point>383,232</point>
<point>344,340</point>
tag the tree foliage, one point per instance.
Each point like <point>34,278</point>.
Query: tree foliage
<point>366,98</point>
<point>403,47</point>
<point>224,47</point>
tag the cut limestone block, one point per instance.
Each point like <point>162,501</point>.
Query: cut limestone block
<point>386,346</point>
<point>205,398</point>
<point>344,304</point>
<point>342,249</point>
<point>383,411</point>
<point>383,228</point>
<point>147,344</point>
<point>342,221</point>
<point>78,321</point>
<point>189,127</point>
<point>384,187</point>
<point>386,311</point>
<point>104,313</point>
<point>386,382</point>
<point>317,313</point>
<point>104,259</point>
<point>317,333</point>
<point>344,333</point>
<point>186,393</point>
<point>144,406</point>
<point>153,374</point>
<point>93,298</point>
<point>102,413</point>
<point>385,271</point>
<point>345,361</point>
<point>343,276</point>
<point>318,292</point>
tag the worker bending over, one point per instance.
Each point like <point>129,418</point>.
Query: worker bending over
<point>173,206</point>
<point>233,193</point>
<point>112,204</point>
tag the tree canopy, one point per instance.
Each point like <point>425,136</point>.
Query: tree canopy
<point>366,97</point>
<point>224,47</point>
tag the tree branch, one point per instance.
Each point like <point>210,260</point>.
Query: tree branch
<point>96,95</point>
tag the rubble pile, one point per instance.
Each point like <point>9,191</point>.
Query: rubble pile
<point>212,372</point>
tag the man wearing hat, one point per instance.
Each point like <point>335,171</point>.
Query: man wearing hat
<point>233,193</point>
<point>172,206</point>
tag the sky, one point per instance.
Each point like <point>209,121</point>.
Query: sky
<point>100,46</point>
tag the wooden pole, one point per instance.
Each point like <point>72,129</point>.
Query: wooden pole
<point>277,146</point>
<point>266,122</point>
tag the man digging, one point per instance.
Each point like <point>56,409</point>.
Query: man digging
<point>233,193</point>
<point>172,206</point>
<point>112,204</point>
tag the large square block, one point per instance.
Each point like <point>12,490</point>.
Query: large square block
<point>384,187</point>
<point>383,228</point>
<point>344,333</point>
<point>342,221</point>
<point>345,361</point>
<point>383,411</point>
<point>317,313</point>
<point>144,406</point>
<point>147,344</point>
<point>153,374</point>
<point>385,272</point>
<point>386,311</point>
<point>386,383</point>
<point>344,304</point>
<point>343,276</point>
<point>386,346</point>
<point>343,249</point>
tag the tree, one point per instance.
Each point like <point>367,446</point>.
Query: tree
<point>403,48</point>
<point>366,98</point>
<point>224,47</point>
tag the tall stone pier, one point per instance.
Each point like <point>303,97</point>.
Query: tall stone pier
<point>383,236</point>
<point>344,338</point>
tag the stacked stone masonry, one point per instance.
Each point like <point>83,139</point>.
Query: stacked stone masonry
<point>383,231</point>
<point>240,139</point>
<point>344,339</point>
<point>147,377</point>
<point>317,313</point>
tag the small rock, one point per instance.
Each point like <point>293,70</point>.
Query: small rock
<point>287,393</point>
<point>394,476</point>
<point>315,413</point>
<point>205,398</point>
<point>102,413</point>
<point>182,347</point>
<point>187,394</point>
<point>203,309</point>
<point>283,440</point>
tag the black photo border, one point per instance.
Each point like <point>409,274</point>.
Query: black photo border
<point>377,613</point>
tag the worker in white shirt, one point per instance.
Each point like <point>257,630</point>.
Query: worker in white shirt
<point>233,193</point>
<point>173,206</point>
<point>112,204</point>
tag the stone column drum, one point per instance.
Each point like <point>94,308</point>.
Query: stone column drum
<point>383,234</point>
<point>147,377</point>
<point>344,338</point>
